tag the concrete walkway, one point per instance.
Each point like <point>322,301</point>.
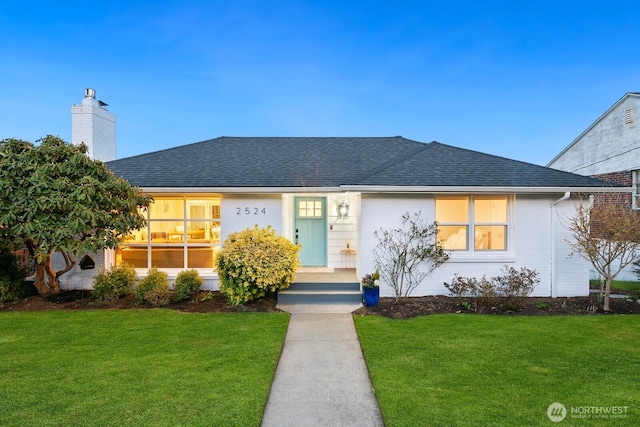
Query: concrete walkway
<point>322,379</point>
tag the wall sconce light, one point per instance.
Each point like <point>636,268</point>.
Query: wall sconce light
<point>343,210</point>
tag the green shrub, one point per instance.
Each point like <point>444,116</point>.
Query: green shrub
<point>461,287</point>
<point>255,262</point>
<point>12,275</point>
<point>153,289</point>
<point>514,286</point>
<point>114,283</point>
<point>187,282</point>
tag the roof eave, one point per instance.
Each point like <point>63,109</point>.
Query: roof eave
<point>475,189</point>
<point>240,190</point>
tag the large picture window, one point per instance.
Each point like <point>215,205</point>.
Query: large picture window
<point>473,223</point>
<point>182,232</point>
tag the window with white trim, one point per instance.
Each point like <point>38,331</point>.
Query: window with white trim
<point>181,232</point>
<point>473,223</point>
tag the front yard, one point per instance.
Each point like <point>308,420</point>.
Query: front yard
<point>166,367</point>
<point>137,367</point>
<point>469,370</point>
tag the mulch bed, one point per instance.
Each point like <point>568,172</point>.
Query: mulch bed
<point>214,302</point>
<point>534,306</point>
<point>202,302</point>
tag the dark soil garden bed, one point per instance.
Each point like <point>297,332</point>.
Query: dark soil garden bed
<point>214,302</point>
<point>418,306</point>
<point>202,302</point>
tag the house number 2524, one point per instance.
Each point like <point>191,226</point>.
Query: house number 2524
<point>251,211</point>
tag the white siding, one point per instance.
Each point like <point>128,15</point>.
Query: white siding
<point>238,212</point>
<point>572,270</point>
<point>609,145</point>
<point>530,245</point>
<point>535,227</point>
<point>77,278</point>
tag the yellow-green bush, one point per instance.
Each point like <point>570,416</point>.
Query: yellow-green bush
<point>255,262</point>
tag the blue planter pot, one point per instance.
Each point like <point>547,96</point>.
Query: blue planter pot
<point>371,296</point>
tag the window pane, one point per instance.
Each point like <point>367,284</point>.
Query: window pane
<point>167,231</point>
<point>491,210</point>
<point>167,209</point>
<point>132,255</point>
<point>453,236</point>
<point>203,232</point>
<point>452,210</point>
<point>491,238</point>
<point>200,257</point>
<point>167,257</point>
<point>309,209</point>
<point>136,236</point>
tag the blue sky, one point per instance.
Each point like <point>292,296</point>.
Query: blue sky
<point>515,79</point>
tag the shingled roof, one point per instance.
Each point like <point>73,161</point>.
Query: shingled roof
<point>242,162</point>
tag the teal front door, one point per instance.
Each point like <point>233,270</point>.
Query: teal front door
<point>311,230</point>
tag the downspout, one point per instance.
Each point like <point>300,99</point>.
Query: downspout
<point>552,288</point>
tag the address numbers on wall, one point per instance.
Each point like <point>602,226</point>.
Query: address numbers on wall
<point>251,211</point>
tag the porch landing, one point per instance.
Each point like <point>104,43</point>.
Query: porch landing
<point>326,275</point>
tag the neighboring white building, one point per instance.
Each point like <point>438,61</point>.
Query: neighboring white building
<point>609,150</point>
<point>92,124</point>
<point>611,144</point>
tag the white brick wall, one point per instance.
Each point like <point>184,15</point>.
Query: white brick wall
<point>96,127</point>
<point>530,245</point>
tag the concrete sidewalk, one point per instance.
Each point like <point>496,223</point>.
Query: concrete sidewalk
<point>322,379</point>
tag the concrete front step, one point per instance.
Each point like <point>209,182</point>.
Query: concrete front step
<point>323,286</point>
<point>321,293</point>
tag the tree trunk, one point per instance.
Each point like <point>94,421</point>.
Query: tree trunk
<point>39,283</point>
<point>607,291</point>
<point>52,282</point>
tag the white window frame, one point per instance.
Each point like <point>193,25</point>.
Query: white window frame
<point>471,224</point>
<point>184,219</point>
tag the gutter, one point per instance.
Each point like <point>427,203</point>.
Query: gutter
<point>554,265</point>
<point>241,190</point>
<point>442,189</point>
<point>399,189</point>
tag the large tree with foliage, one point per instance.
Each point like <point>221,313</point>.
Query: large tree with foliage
<point>56,199</point>
<point>608,236</point>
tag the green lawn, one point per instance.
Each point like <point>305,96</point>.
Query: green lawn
<point>470,370</point>
<point>621,285</point>
<point>137,367</point>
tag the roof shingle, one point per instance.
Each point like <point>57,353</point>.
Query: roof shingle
<point>331,162</point>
